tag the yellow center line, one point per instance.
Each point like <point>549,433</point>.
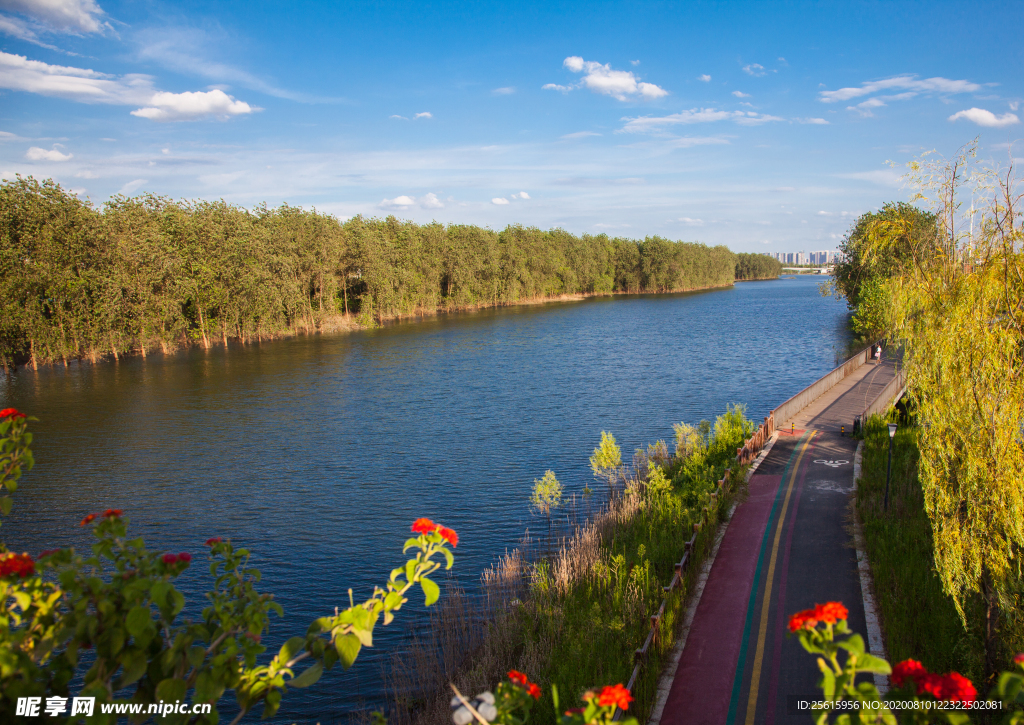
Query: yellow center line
<point>755,679</point>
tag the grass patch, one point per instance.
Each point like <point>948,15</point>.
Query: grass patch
<point>575,618</point>
<point>919,620</point>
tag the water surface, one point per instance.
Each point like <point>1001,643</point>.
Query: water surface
<point>318,451</point>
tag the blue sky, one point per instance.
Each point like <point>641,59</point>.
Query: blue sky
<point>763,126</point>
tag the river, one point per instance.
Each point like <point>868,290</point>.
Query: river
<point>318,451</point>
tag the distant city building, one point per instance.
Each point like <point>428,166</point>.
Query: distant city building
<point>823,257</point>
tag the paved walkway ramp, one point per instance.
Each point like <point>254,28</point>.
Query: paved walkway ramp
<point>787,547</point>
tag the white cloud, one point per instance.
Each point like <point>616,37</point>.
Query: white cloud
<point>986,118</point>
<point>619,84</point>
<point>37,154</point>
<point>8,136</point>
<point>506,91</point>
<point>84,85</point>
<point>425,114</point>
<point>500,201</point>
<point>580,134</point>
<point>741,94</point>
<point>653,124</point>
<point>399,202</point>
<point>401,118</point>
<point>906,83</point>
<point>634,62</point>
<point>192,105</point>
<point>706,78</point>
<point>75,17</point>
<point>755,69</point>
<point>1014,106</point>
<point>131,187</point>
<point>430,201</point>
<point>86,174</point>
<point>521,195</point>
<point>812,121</point>
<point>691,222</point>
<point>824,213</point>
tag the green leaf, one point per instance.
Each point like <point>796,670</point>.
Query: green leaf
<point>171,690</point>
<point>870,663</point>
<point>365,635</point>
<point>307,678</point>
<point>5,504</point>
<point>139,621</point>
<point>348,646</point>
<point>393,600</point>
<point>133,663</point>
<point>449,557</point>
<point>430,590</point>
<point>828,681</point>
<point>409,543</point>
<point>291,648</point>
<point>854,645</point>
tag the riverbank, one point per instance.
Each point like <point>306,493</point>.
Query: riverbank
<point>339,323</point>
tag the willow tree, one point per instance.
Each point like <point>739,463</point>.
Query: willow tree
<point>959,311</point>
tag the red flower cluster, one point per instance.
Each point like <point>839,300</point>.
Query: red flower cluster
<point>518,678</point>
<point>108,514</point>
<point>829,613</point>
<point>952,687</point>
<point>12,564</point>
<point>183,557</point>
<point>615,695</point>
<point>1019,659</point>
<point>214,540</point>
<point>11,413</point>
<point>426,526</point>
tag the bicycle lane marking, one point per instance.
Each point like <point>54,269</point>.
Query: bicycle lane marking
<point>737,685</point>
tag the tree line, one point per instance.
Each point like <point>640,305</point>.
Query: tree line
<point>149,273</point>
<point>757,266</point>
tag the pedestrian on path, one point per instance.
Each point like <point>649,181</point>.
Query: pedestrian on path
<point>878,354</point>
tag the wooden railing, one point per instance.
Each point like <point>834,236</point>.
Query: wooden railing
<point>809,394</point>
<point>691,556</point>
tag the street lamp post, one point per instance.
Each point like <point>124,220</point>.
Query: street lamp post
<point>888,470</point>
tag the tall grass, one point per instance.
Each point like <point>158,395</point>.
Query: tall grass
<point>919,620</point>
<point>575,617</point>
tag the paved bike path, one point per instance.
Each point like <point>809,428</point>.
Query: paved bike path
<point>786,548</point>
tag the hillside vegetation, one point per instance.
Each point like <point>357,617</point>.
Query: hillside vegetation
<point>148,272</point>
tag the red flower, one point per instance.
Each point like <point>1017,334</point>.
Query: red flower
<point>214,540</point>
<point>111,513</point>
<point>805,619</point>
<point>1019,659</point>
<point>831,612</point>
<point>615,695</point>
<point>907,670</point>
<point>518,677</point>
<point>11,413</point>
<point>88,519</point>
<point>930,683</point>
<point>423,526</point>
<point>185,557</point>
<point>169,559</point>
<point>956,688</point>
<point>449,535</point>
<point>16,565</point>
<point>533,690</point>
